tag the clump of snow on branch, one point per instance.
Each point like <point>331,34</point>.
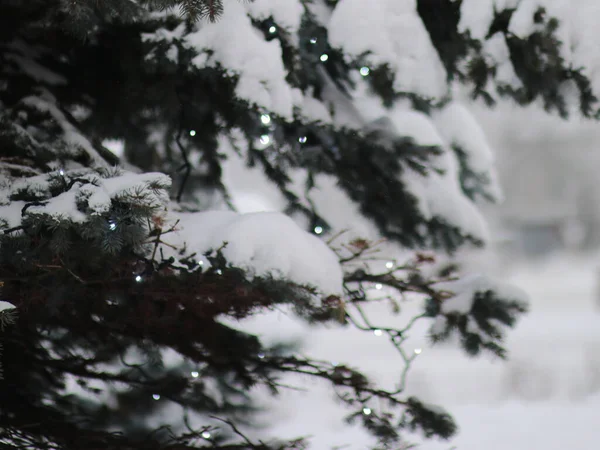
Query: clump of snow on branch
<point>257,63</point>
<point>6,306</point>
<point>439,192</point>
<point>576,30</point>
<point>464,290</point>
<point>287,14</point>
<point>401,42</point>
<point>265,243</point>
<point>457,126</point>
<point>90,194</point>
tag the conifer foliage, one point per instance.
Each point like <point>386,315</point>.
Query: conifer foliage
<point>120,272</point>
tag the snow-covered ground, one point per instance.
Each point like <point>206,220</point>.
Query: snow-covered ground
<point>547,396</point>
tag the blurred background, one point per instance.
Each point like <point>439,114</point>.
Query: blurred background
<point>546,240</point>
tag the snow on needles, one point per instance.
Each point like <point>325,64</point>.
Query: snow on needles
<point>89,195</point>
<point>439,192</point>
<point>257,63</point>
<point>265,243</point>
<point>465,288</point>
<point>577,31</point>
<point>390,32</point>
<point>6,305</point>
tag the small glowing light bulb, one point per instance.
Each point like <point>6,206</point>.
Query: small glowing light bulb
<point>302,139</point>
<point>265,119</point>
<point>261,355</point>
<point>156,396</point>
<point>379,286</point>
<point>138,278</point>
<point>195,374</point>
<point>377,332</point>
<point>265,139</point>
<point>313,40</point>
<point>367,411</point>
<point>364,71</point>
<point>418,351</point>
<point>219,272</point>
<point>200,263</point>
<point>272,29</point>
<point>192,133</point>
<point>112,226</point>
<point>61,172</point>
<point>389,264</point>
<point>206,435</point>
<point>318,230</point>
<point>324,57</point>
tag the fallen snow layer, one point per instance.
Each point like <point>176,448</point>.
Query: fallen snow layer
<point>263,243</point>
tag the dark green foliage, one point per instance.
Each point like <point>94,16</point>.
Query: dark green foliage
<point>482,328</point>
<point>433,421</point>
<point>102,310</point>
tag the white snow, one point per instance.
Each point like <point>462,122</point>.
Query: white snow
<point>149,188</point>
<point>465,288</point>
<point>46,102</point>
<point>262,243</point>
<point>392,33</point>
<point>439,194</point>
<point>577,31</point>
<point>458,127</point>
<point>285,13</point>
<point>4,305</point>
<point>256,62</point>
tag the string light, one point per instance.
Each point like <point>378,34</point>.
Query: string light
<point>200,263</point>
<point>377,332</point>
<point>272,29</point>
<point>192,133</point>
<point>265,119</point>
<point>261,355</point>
<point>318,230</point>
<point>265,139</point>
<point>138,278</point>
<point>112,226</point>
<point>302,139</point>
<point>313,40</point>
<point>389,264</point>
<point>156,396</point>
<point>418,351</point>
<point>61,172</point>
<point>367,411</point>
<point>324,57</point>
<point>206,435</point>
<point>219,272</point>
<point>379,286</point>
<point>195,374</point>
<point>364,71</point>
